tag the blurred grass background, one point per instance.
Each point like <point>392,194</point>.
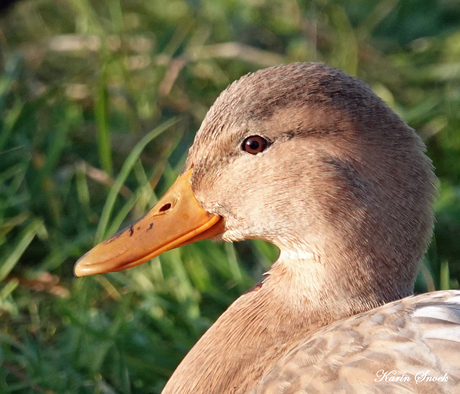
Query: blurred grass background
<point>99,102</point>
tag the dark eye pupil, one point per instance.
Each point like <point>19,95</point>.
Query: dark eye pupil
<point>254,145</point>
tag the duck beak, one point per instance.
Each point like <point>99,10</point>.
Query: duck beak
<point>176,220</point>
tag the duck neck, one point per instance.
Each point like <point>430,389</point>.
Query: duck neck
<point>317,289</point>
<point>263,325</point>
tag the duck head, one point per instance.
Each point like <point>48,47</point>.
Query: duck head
<point>309,159</point>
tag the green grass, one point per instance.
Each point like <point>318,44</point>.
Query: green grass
<point>99,102</point>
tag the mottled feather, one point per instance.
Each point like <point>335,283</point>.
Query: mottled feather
<point>411,345</point>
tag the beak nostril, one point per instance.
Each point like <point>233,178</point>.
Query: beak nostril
<point>165,207</point>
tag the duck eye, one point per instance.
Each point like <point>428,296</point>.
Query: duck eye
<point>254,144</point>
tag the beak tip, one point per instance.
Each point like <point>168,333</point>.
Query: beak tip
<point>82,268</point>
<point>78,272</point>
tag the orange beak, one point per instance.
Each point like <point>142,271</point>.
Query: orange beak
<point>176,220</point>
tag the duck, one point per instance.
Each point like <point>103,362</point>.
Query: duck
<point>309,159</point>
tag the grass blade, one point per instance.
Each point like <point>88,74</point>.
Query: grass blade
<point>24,241</point>
<point>124,172</point>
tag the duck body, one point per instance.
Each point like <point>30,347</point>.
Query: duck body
<point>406,346</point>
<point>308,158</point>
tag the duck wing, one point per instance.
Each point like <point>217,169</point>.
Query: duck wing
<point>407,346</point>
